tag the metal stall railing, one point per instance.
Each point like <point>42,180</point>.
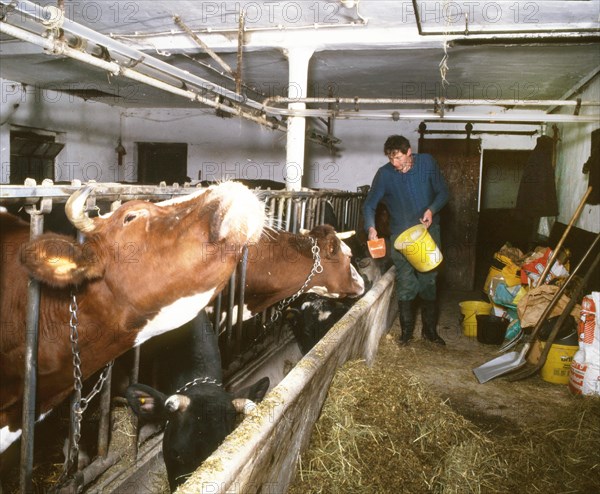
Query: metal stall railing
<point>37,201</point>
<point>240,343</point>
<point>291,211</point>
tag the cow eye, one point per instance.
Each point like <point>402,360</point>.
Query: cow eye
<point>129,217</point>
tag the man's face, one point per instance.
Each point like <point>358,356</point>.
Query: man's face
<point>401,162</point>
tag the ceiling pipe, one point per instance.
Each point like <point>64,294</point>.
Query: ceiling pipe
<point>447,117</point>
<point>447,102</point>
<point>467,32</point>
<point>249,30</point>
<point>577,88</point>
<point>203,45</point>
<point>45,14</point>
<point>58,47</point>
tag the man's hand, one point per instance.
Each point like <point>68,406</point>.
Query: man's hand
<point>372,233</point>
<point>427,218</point>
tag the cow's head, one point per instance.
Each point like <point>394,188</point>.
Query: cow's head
<point>339,277</point>
<point>174,254</point>
<point>198,420</point>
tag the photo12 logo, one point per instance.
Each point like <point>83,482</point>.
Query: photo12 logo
<point>458,14</point>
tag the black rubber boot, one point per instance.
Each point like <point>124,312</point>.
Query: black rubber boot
<point>407,320</point>
<point>429,319</point>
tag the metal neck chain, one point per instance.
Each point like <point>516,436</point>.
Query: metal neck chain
<point>199,380</point>
<point>317,268</point>
<point>79,404</point>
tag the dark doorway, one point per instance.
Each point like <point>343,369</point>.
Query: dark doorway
<point>32,156</point>
<point>162,162</point>
<point>459,162</point>
<point>499,221</point>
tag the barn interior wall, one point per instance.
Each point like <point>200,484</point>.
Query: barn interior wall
<point>573,151</point>
<point>361,149</point>
<point>225,147</point>
<point>89,130</point>
<point>218,148</point>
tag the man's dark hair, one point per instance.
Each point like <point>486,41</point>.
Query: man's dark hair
<point>396,143</point>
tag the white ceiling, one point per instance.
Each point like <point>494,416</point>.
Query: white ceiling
<point>375,49</point>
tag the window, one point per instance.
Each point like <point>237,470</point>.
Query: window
<point>32,156</point>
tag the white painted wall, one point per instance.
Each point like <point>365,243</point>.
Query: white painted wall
<point>219,148</point>
<point>88,130</point>
<point>573,151</point>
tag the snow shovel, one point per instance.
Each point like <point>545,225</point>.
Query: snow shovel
<point>531,370</point>
<point>511,343</point>
<point>514,360</point>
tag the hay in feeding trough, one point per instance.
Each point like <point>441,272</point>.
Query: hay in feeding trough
<point>381,431</point>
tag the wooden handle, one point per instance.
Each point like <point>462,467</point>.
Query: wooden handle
<point>564,236</point>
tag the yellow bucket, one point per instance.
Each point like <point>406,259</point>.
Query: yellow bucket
<point>419,248</point>
<point>470,309</point>
<point>558,363</point>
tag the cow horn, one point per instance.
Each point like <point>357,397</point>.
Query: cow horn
<point>75,210</point>
<point>177,403</point>
<point>303,231</point>
<point>244,405</point>
<point>345,235</point>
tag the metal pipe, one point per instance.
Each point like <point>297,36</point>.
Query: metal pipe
<point>240,54</point>
<point>230,304</point>
<point>446,102</point>
<point>240,301</point>
<point>58,47</point>
<point>203,45</point>
<point>40,14</point>
<point>104,422</point>
<point>36,228</point>
<point>466,32</point>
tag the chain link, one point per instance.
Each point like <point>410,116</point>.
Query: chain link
<point>79,404</point>
<point>316,269</point>
<point>199,380</point>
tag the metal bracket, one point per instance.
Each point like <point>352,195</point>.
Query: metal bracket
<point>439,107</point>
<point>45,203</point>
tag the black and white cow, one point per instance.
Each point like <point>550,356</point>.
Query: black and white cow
<point>198,411</point>
<point>311,316</point>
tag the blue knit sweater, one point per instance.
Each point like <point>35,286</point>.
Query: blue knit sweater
<point>407,195</point>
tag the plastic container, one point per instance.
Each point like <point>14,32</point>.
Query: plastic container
<point>491,329</point>
<point>558,363</point>
<point>493,271</point>
<point>469,310</point>
<point>376,248</point>
<point>419,248</point>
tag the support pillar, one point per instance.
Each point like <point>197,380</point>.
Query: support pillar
<point>298,59</point>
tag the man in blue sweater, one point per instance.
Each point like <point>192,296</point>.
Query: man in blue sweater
<point>414,190</point>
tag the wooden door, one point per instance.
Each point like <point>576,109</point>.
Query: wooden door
<point>459,161</point>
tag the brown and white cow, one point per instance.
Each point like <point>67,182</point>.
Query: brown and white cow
<point>143,269</point>
<point>280,263</point>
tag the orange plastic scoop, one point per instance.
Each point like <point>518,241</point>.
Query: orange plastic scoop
<point>376,248</point>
